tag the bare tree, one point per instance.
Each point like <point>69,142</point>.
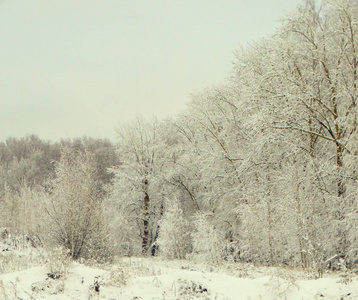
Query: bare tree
<point>74,209</point>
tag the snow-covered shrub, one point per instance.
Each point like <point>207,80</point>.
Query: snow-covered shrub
<point>138,267</point>
<point>46,287</point>
<point>281,284</point>
<point>58,263</point>
<point>21,212</point>
<point>208,241</point>
<point>121,231</point>
<point>118,276</point>
<point>74,210</point>
<point>19,252</point>
<point>174,235</point>
<point>189,289</point>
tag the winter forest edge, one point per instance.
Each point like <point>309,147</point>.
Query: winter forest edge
<point>262,169</point>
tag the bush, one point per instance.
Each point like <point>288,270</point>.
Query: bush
<point>208,241</point>
<point>75,211</point>
<point>174,234</point>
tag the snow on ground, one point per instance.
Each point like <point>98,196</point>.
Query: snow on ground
<point>153,278</point>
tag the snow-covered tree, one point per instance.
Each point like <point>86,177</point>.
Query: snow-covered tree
<point>208,241</point>
<point>174,233</point>
<point>75,212</point>
<point>303,81</point>
<point>140,186</point>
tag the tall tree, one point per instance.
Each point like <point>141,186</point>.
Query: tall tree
<point>139,185</point>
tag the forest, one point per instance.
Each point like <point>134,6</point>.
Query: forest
<point>261,169</point>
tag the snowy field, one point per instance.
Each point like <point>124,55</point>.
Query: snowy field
<point>153,278</point>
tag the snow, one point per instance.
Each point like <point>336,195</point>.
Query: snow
<point>154,278</point>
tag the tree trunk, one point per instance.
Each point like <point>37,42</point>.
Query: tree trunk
<point>146,218</point>
<point>155,246</point>
<point>301,240</point>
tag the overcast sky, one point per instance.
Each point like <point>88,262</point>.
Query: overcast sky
<point>70,68</point>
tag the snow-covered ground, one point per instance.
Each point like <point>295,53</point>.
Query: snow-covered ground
<point>153,278</point>
<point>27,270</point>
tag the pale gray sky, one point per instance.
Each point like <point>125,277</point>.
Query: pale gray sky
<point>70,68</point>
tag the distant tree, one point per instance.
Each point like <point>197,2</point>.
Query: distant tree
<point>104,156</point>
<point>26,161</point>
<point>30,161</point>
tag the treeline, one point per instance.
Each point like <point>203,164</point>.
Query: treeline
<point>262,169</point>
<point>30,161</point>
<point>28,171</point>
